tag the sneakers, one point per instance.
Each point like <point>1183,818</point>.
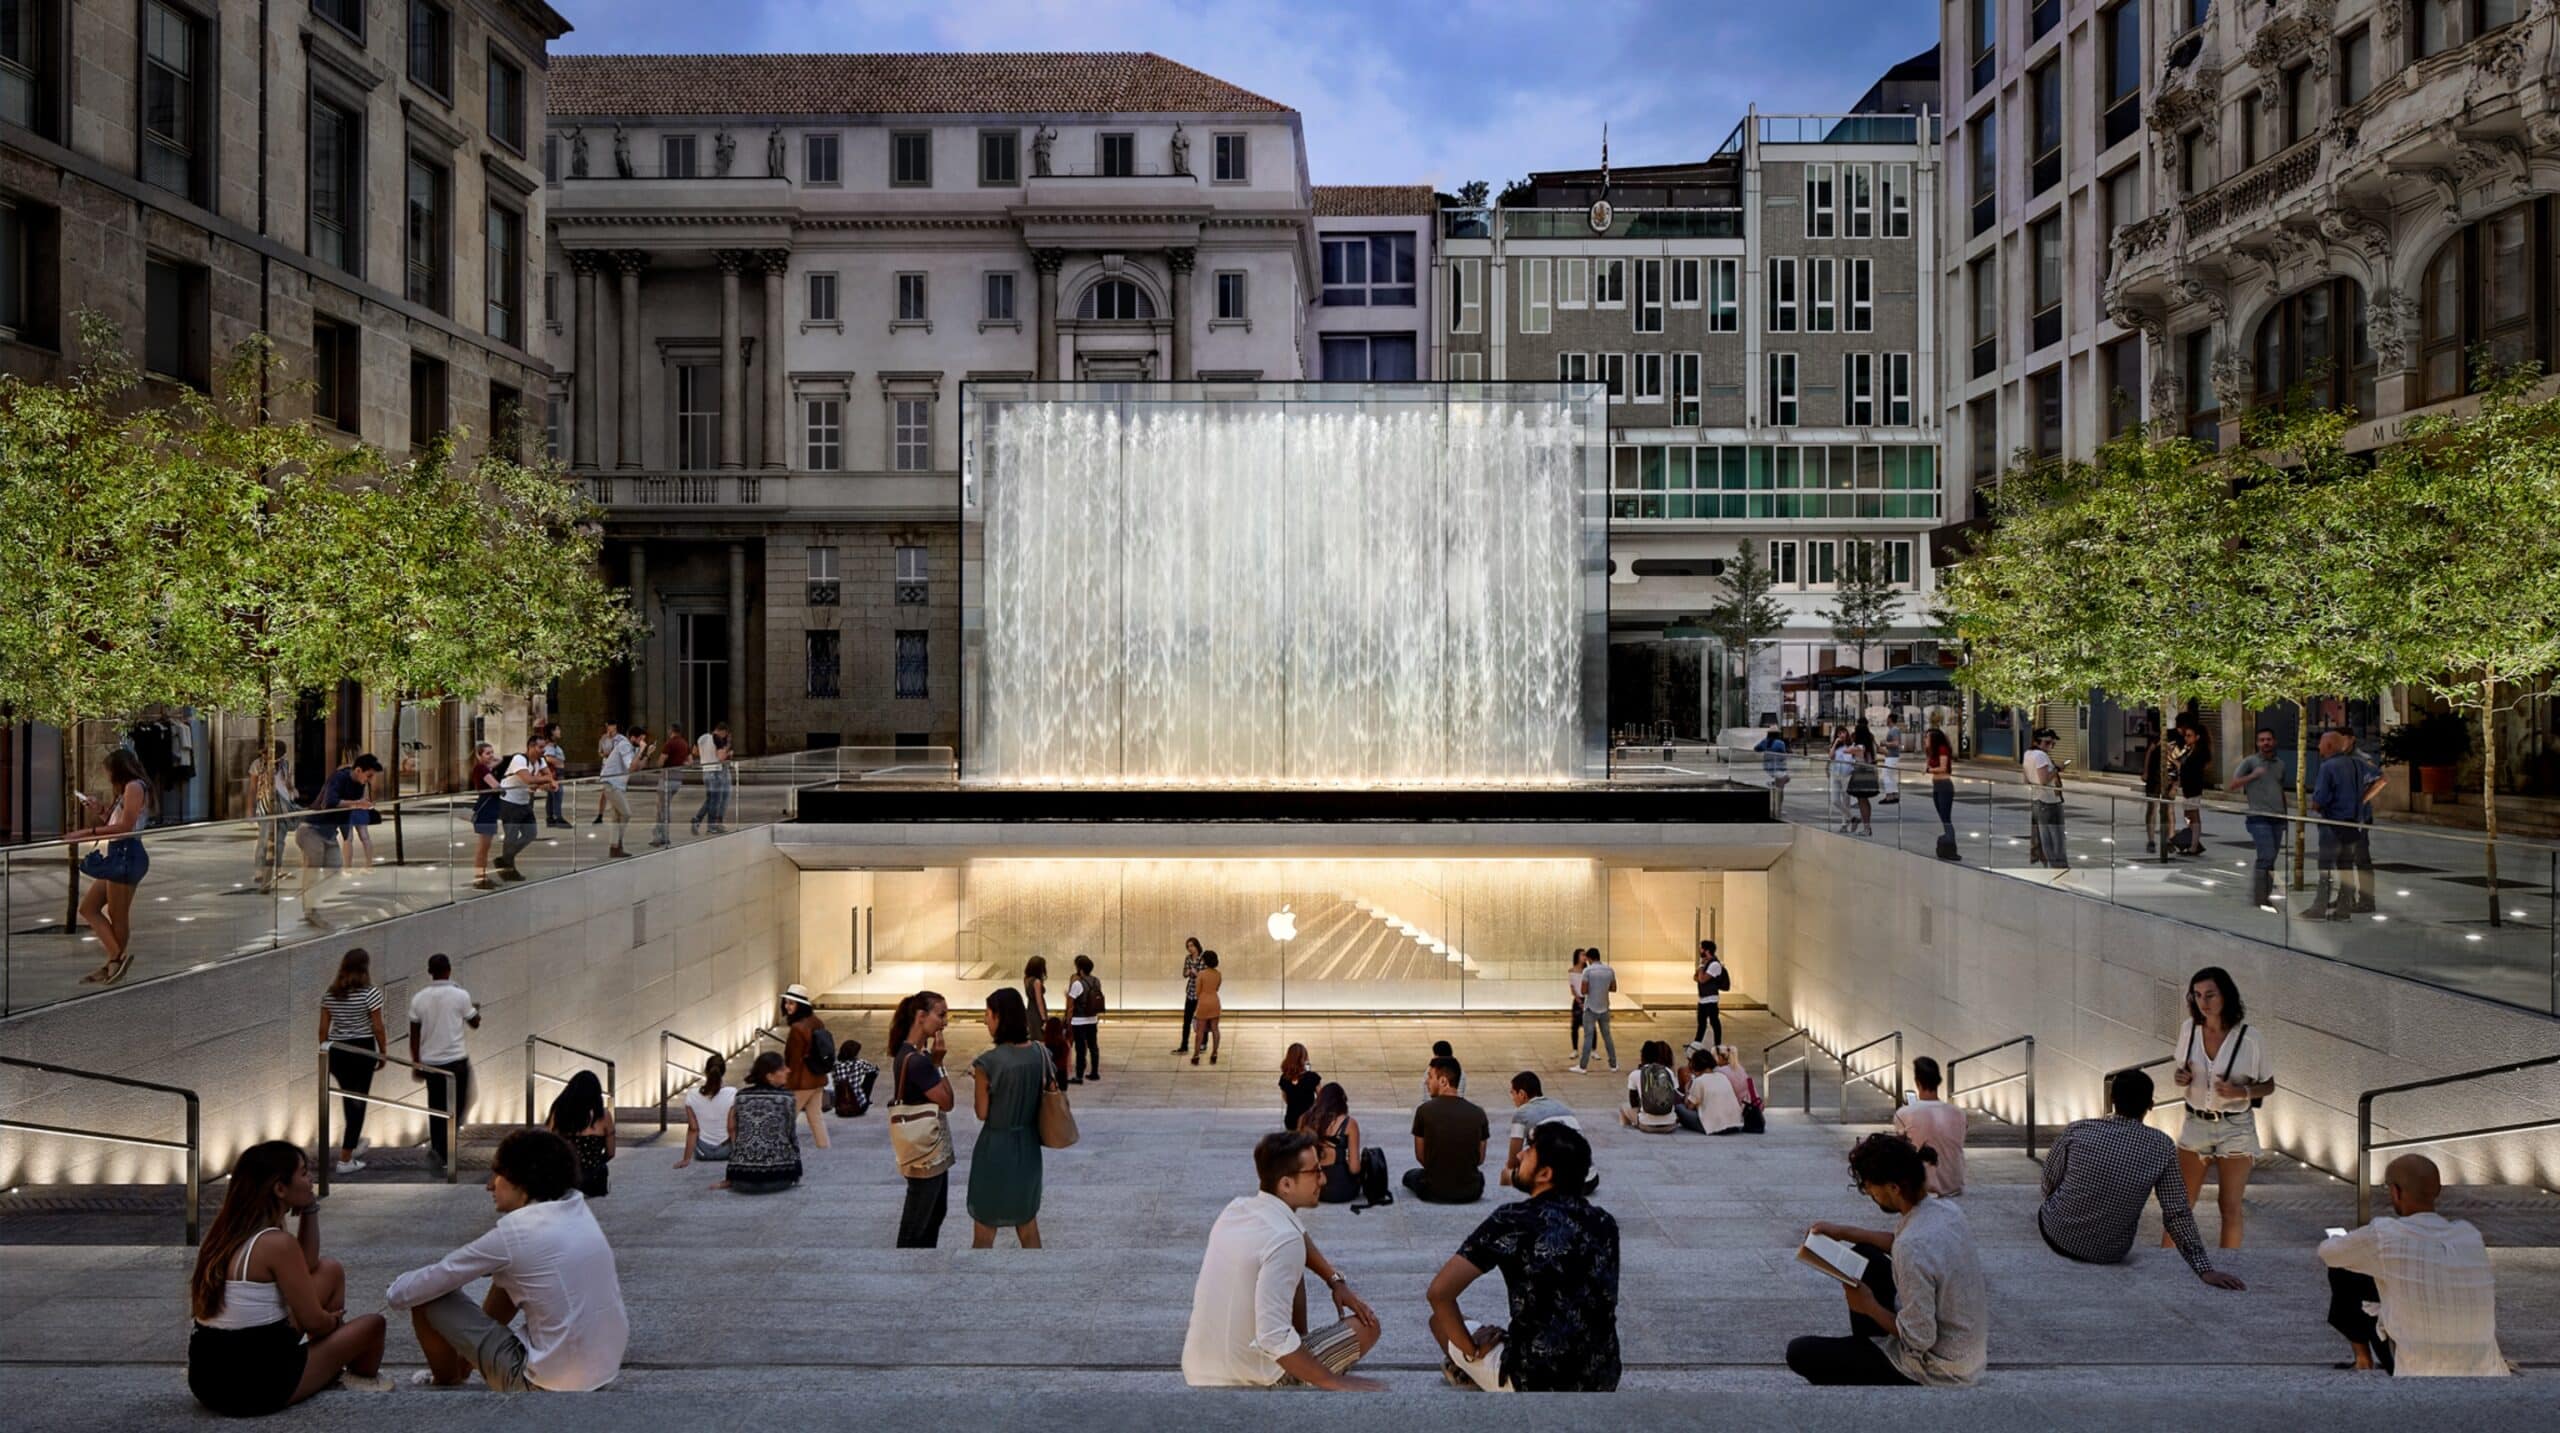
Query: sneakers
<point>616,851</point>
<point>1576,1069</point>
<point>312,918</point>
<point>349,1166</point>
<point>424,1378</point>
<point>366,1382</point>
<point>512,874</point>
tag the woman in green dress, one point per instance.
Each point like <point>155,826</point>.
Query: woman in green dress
<point>1004,1168</point>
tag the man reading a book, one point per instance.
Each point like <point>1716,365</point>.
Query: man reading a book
<point>1918,1285</point>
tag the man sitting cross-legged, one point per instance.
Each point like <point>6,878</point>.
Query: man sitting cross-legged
<point>1249,1306</point>
<point>1923,1289</point>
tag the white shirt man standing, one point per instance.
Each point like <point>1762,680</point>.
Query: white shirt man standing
<point>612,796</point>
<point>1249,1306</point>
<point>441,1013</point>
<point>2414,1294</point>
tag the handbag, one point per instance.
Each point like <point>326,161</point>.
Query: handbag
<point>921,1138</point>
<point>1057,1120</point>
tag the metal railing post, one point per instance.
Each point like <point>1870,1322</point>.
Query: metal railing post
<point>528,1079</point>
<point>195,1170</point>
<point>322,1163</point>
<point>2031,1099</point>
<point>2364,1159</point>
<point>663,1093</point>
<point>452,1125</point>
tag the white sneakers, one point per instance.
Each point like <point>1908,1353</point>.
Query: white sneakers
<point>349,1166</point>
<point>366,1382</point>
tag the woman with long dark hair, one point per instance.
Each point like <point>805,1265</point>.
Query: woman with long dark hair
<point>706,1115</point>
<point>2222,1066</point>
<point>1004,1168</point>
<point>1864,782</point>
<point>1035,992</point>
<point>1337,1143</point>
<point>270,1313</point>
<point>1938,754</point>
<point>351,1014</point>
<point>581,1117</point>
<point>917,1091</point>
<point>2195,772</point>
<point>764,1138</point>
<point>107,906</point>
<point>1298,1086</point>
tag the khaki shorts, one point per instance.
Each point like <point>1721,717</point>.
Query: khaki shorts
<point>489,1346</point>
<point>2234,1136</point>
<point>1336,1346</point>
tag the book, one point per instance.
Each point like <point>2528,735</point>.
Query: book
<point>1833,1258</point>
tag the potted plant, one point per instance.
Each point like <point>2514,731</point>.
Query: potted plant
<point>2434,744</point>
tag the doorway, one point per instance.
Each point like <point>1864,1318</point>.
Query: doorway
<point>702,669</point>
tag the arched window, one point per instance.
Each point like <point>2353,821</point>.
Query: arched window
<point>1116,299</point>
<point>2491,286</point>
<point>2315,341</point>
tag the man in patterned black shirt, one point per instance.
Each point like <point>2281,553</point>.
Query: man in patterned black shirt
<point>1558,1253</point>
<point>2099,1174</point>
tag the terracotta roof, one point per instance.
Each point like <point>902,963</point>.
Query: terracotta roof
<point>1373,201</point>
<point>1111,82</point>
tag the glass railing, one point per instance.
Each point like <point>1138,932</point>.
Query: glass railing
<point>2421,904</point>
<point>225,890</point>
<point>1623,224</point>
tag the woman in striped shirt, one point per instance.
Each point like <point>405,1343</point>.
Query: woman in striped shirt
<point>351,1014</point>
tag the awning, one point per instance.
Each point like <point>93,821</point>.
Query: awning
<point>1909,677</point>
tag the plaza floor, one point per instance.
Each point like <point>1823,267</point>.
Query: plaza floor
<point>796,1307</point>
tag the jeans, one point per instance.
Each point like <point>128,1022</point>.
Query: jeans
<point>715,797</point>
<point>2044,833</point>
<point>1942,794</point>
<point>1088,1042</point>
<point>920,1224</point>
<point>2349,1292</point>
<point>2268,833</point>
<point>1855,1359</point>
<point>1710,1013</point>
<point>669,783</point>
<point>459,1090</point>
<point>353,1073</point>
<point>1595,1022</point>
<point>551,811</point>
<point>517,822</point>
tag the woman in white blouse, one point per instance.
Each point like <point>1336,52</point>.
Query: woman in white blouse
<point>2222,1067</point>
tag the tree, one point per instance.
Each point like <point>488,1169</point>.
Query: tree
<point>2023,599</point>
<point>1473,193</point>
<point>1747,615</point>
<point>1865,602</point>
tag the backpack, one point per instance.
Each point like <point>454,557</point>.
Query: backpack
<point>821,1059</point>
<point>1089,1003</point>
<point>852,1081</point>
<point>1374,1186</point>
<point>1722,980</point>
<point>1656,1092</point>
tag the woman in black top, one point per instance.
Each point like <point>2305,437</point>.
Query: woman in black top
<point>1337,1143</point>
<point>580,1117</point>
<point>1298,1086</point>
<point>2195,772</point>
<point>1864,781</point>
<point>1939,754</point>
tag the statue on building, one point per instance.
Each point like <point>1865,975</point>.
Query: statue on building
<point>577,151</point>
<point>621,151</point>
<point>724,152</point>
<point>1181,151</point>
<point>1042,139</point>
<point>773,153</point>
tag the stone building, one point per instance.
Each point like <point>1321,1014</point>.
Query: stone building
<point>1763,321</point>
<point>385,239</point>
<point>772,277</point>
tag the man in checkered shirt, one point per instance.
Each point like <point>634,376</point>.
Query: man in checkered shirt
<point>2098,1175</point>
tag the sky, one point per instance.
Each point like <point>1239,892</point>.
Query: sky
<point>1391,91</point>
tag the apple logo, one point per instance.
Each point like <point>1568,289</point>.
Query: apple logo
<point>1284,924</point>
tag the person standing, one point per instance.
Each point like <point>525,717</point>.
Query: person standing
<point>604,749</point>
<point>2371,779</point>
<point>1599,981</point>
<point>1298,1086</point>
<point>270,798</point>
<point>919,1092</point>
<point>2343,795</point>
<point>2045,845</point>
<point>1084,1020</point>
<point>366,769</point>
<point>671,760</point>
<point>486,804</point>
<point>1922,1290</point>
<point>525,774</point>
<point>1249,1305</point>
<point>116,871</point>
<point>1558,1253</point>
<point>1863,779</point>
<point>1892,752</point>
<point>1935,1128</point>
<point>351,1014</point>
<point>1207,1007</point>
<point>1844,760</point>
<point>1713,981</point>
<point>2260,779</point>
<point>612,792</point>
<point>441,1014</point>
<point>1939,756</point>
<point>706,756</point>
<point>2222,1066</point>
<point>2195,772</point>
<point>1773,768</point>
<point>271,1326</point>
<point>1573,988</point>
<point>1004,1167</point>
<point>2413,1293</point>
<point>2159,794</point>
<point>807,1059</point>
<point>1190,990</point>
<point>1450,1133</point>
<point>1035,993</point>
<point>556,758</point>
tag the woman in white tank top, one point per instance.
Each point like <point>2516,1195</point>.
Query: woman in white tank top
<point>255,1298</point>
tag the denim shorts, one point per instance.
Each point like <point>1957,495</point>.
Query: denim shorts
<point>2234,1136</point>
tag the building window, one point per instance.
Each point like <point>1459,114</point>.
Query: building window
<point>2490,286</point>
<point>1466,295</point>
<point>431,46</point>
<point>336,369</point>
<point>2120,82</point>
<point>506,101</point>
<point>506,420</point>
<point>2252,116</point>
<point>1895,180</point>
<point>910,658</point>
<point>336,181</point>
<point>1821,555</point>
<point>1116,155</point>
<point>1687,387</point>
<point>550,159</point>
<point>1116,299</point>
<point>1782,560</point>
<point>1227,158</point>
<point>1613,374</point>
<point>677,156</point>
<point>1858,389</point>
<point>999,297</point>
<point>1573,283</point>
<point>1821,219</point>
<point>1230,295</point>
<point>1724,303</point>
<point>1898,409</point>
<point>826,580</point>
<point>822,298</point>
<point>2355,66</point>
<point>911,435</point>
<point>555,423</point>
<point>1466,367</point>
<point>911,299</point>
<point>1782,389</point>
<point>1608,283</point>
<point>825,435</point>
<point>1982,425</point>
<point>697,416</point>
<point>2121,193</point>
<point>2195,162</point>
<point>1986,170</point>
<point>822,160</point>
<point>177,110</point>
<point>2044,401</point>
<point>1985,37</point>
<point>2044,169</point>
<point>2204,411</point>
<point>2196,12</point>
<point>31,66</point>
<point>1573,368</point>
<point>2435,26</point>
<point>1782,295</point>
<point>1984,280</point>
<point>1859,180</point>
<point>426,269</point>
<point>347,15</point>
<point>175,344</point>
<point>910,159</point>
<point>1537,309</point>
<point>999,157</point>
<point>2121,363</point>
<point>429,415</point>
<point>505,277</point>
<point>1684,283</point>
<point>28,264</point>
<point>2042,16</point>
<point>2044,244</point>
<point>1648,310</point>
<point>823,657</point>
<point>911,588</point>
<point>1648,379</point>
<point>1821,278</point>
<point>1862,295</point>
<point>1368,358</point>
<point>2297,105</point>
<point>1369,270</point>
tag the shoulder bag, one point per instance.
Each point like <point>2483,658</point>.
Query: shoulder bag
<point>919,1134</point>
<point>1057,1120</point>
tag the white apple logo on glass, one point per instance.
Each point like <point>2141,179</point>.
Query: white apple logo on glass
<point>1284,924</point>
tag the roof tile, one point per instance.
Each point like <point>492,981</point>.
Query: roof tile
<point>1374,200</point>
<point>1103,82</point>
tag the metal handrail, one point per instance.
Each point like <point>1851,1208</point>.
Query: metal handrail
<point>531,1074</point>
<point>2028,1074</point>
<point>192,1145</point>
<point>452,1107</point>
<point>2366,1148</point>
<point>1770,1072</point>
<point>666,1091</point>
<point>1850,1076</point>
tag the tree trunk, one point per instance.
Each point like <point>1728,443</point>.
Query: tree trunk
<point>399,834</point>
<point>2301,782</point>
<point>2489,790</point>
<point>71,814</point>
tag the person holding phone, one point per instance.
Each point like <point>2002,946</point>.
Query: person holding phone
<point>2044,801</point>
<point>2222,1067</point>
<point>107,906</point>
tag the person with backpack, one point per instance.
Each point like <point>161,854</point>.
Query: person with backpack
<point>808,1059</point>
<point>1084,1020</point>
<point>1713,981</point>
<point>1653,1091</point>
<point>2222,1066</point>
<point>526,772</point>
<point>1450,1133</point>
<point>850,1085</point>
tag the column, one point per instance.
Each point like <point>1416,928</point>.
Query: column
<point>1047,261</point>
<point>777,378</point>
<point>583,412</point>
<point>733,367</point>
<point>1181,261</point>
<point>737,633</point>
<point>638,710</point>
<point>626,450</point>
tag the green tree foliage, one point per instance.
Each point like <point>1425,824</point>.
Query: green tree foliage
<point>1865,601</point>
<point>1747,615</point>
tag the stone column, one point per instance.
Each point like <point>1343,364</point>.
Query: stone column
<point>1181,261</point>
<point>626,450</point>
<point>777,378</point>
<point>733,364</point>
<point>638,711</point>
<point>737,630</point>
<point>1048,262</point>
<point>583,411</point>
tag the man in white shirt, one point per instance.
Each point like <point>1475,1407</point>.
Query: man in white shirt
<point>439,1014</point>
<point>711,753</point>
<point>1249,1307</point>
<point>555,757</point>
<point>2044,802</point>
<point>545,1259</point>
<point>1599,979</point>
<point>526,773</point>
<point>2414,1295</point>
<point>611,796</point>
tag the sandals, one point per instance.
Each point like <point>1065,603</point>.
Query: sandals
<point>111,972</point>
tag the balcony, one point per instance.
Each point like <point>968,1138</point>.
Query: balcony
<point>770,495</point>
<point>1576,224</point>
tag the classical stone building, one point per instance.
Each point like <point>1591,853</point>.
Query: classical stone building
<point>356,179</point>
<point>771,279</point>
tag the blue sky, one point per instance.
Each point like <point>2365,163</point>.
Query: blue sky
<point>1392,91</point>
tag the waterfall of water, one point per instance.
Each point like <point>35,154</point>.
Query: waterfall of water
<point>1308,593</point>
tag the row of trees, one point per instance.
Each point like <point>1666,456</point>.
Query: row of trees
<point>200,553</point>
<point>2285,570</point>
<point>1866,602</point>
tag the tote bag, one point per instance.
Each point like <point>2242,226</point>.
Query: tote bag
<point>919,1135</point>
<point>1057,1120</point>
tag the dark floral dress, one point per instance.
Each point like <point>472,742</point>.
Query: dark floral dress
<point>1558,1254</point>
